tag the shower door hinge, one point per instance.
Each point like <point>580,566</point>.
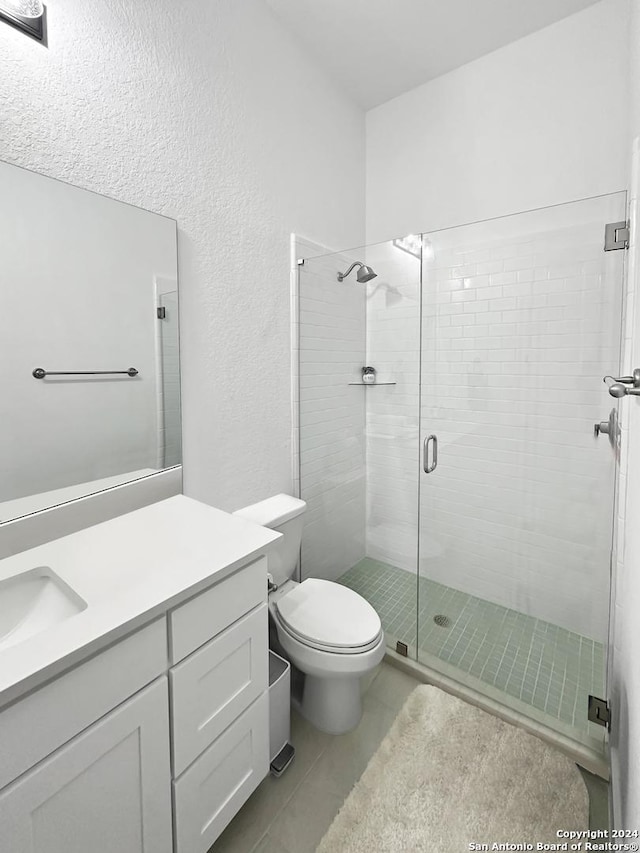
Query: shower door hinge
<point>402,648</point>
<point>599,712</point>
<point>616,236</point>
<point>161,313</point>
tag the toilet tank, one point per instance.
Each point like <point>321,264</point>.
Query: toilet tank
<point>285,514</point>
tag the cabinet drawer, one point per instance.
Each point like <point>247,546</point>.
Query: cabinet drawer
<point>213,789</point>
<point>35,726</point>
<point>214,685</point>
<point>194,623</point>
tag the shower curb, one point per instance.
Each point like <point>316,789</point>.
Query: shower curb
<point>583,755</point>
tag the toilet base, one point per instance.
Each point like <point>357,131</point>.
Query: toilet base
<point>333,705</point>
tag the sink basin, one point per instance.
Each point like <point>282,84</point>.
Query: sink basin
<point>33,601</point>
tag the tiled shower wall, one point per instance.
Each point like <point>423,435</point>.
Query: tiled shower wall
<point>520,322</point>
<point>518,331</point>
<point>330,439</point>
<point>392,422</point>
<point>513,380</point>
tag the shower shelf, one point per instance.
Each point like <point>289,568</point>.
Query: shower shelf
<point>371,384</point>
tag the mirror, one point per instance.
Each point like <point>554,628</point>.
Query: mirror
<point>88,292</point>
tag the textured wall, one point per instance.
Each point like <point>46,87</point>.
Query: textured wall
<point>519,128</point>
<point>209,113</point>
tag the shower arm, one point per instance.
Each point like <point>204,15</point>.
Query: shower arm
<point>343,275</point>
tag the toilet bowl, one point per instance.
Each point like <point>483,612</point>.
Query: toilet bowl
<point>331,634</point>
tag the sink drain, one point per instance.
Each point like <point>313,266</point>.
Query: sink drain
<point>442,621</point>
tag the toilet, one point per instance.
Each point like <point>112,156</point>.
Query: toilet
<point>329,632</point>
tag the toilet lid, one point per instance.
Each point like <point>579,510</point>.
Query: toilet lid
<point>329,614</point>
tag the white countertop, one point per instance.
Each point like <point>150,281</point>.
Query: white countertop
<point>129,570</point>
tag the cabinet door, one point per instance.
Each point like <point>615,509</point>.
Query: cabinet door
<point>108,790</point>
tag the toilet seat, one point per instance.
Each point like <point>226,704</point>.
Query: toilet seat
<point>329,617</point>
<point>313,644</point>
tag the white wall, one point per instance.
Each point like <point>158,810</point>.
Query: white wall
<point>209,113</point>
<point>539,122</point>
<point>331,334</point>
<point>77,281</point>
<point>624,687</point>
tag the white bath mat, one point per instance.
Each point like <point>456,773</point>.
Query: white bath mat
<point>448,775</point>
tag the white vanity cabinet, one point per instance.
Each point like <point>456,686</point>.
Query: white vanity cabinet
<point>107,790</point>
<point>151,745</point>
<point>219,702</point>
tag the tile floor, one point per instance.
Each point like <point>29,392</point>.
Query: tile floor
<point>291,814</point>
<point>544,666</point>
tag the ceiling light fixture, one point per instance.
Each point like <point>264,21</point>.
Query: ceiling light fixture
<point>28,16</point>
<point>412,244</point>
<point>417,245</point>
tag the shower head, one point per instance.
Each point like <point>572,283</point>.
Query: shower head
<point>364,273</point>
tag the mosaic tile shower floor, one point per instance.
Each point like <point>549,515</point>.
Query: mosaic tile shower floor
<point>547,667</point>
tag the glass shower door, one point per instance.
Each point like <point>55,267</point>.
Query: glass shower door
<point>357,441</point>
<point>521,321</point>
<point>169,430</point>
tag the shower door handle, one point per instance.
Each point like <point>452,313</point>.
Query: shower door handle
<point>433,440</point>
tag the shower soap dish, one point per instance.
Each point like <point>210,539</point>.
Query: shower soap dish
<point>369,377</point>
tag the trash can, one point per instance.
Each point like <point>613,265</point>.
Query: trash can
<point>280,750</point>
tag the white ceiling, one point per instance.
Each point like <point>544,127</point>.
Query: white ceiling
<point>377,49</point>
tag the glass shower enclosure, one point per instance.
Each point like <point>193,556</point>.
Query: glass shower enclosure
<point>465,493</point>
